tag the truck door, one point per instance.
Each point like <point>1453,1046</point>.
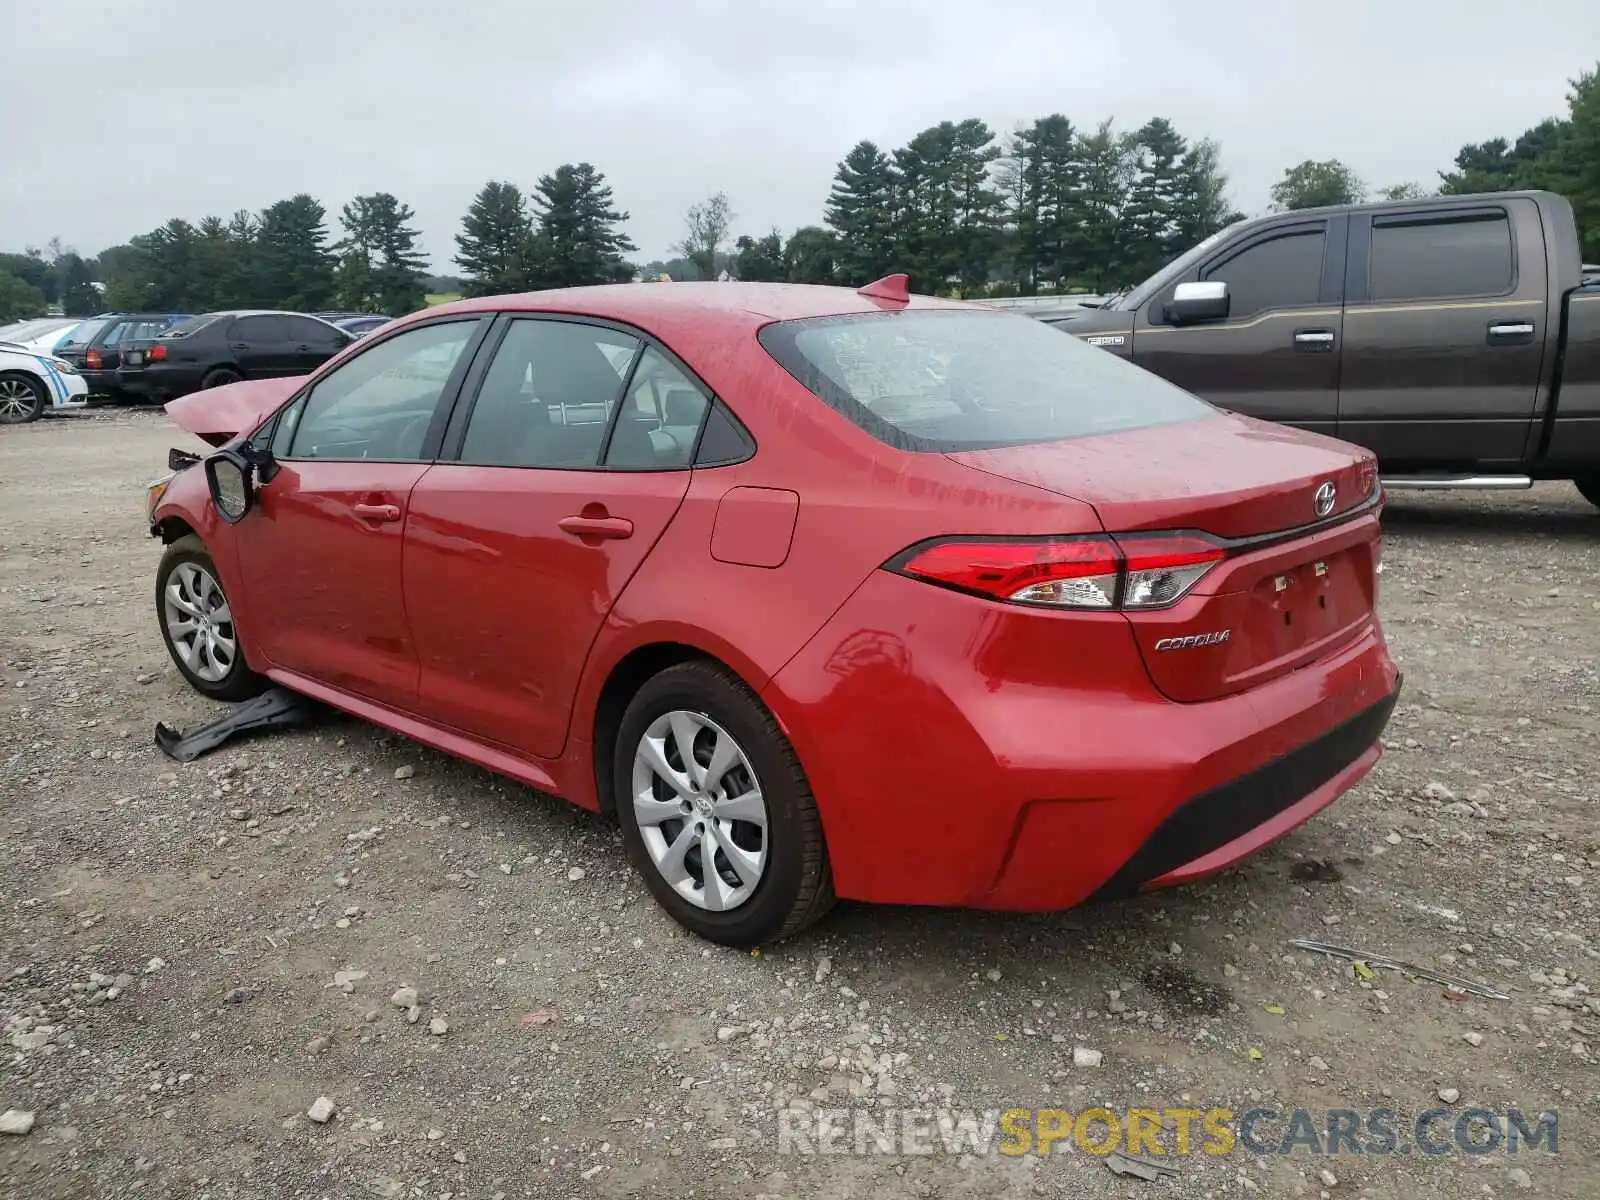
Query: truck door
<point>1445,329</point>
<point>1276,354</point>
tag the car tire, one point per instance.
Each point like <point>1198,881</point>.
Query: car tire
<point>220,377</point>
<point>22,398</point>
<point>1589,488</point>
<point>793,885</point>
<point>211,658</point>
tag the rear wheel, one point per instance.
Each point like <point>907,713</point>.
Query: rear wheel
<point>220,377</point>
<point>197,624</point>
<point>1589,488</point>
<point>22,398</point>
<point>715,810</point>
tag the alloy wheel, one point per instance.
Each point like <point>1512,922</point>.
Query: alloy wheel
<point>200,622</point>
<point>700,810</point>
<point>16,400</point>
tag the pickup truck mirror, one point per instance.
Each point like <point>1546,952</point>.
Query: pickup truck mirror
<point>1198,302</point>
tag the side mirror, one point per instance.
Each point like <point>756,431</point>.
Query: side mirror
<point>230,477</point>
<point>1198,302</point>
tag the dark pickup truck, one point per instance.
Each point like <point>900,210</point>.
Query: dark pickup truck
<point>1456,337</point>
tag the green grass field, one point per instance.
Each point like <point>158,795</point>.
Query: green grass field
<point>442,297</point>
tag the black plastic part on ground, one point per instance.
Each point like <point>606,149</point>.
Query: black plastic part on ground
<point>275,708</point>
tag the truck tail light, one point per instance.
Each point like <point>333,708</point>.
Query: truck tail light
<point>1108,573</point>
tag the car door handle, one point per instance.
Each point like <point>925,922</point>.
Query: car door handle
<point>1510,333</point>
<point>1313,341</point>
<point>241,345</point>
<point>597,527</point>
<point>376,512</point>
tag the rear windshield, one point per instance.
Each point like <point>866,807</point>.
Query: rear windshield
<point>80,335</point>
<point>962,379</point>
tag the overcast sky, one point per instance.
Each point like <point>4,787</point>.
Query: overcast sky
<point>118,114</point>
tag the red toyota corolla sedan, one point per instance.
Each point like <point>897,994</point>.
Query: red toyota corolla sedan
<point>820,592</point>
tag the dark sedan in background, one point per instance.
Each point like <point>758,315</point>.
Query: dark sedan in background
<point>95,347</point>
<point>224,347</point>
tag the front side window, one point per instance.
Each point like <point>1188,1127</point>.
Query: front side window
<point>1282,272</point>
<point>960,379</point>
<point>547,396</point>
<point>1416,258</point>
<point>379,405</point>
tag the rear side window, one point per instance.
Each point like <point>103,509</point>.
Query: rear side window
<point>961,379</point>
<point>547,397</point>
<point>1282,272</point>
<point>1416,258</point>
<point>257,330</point>
<point>188,327</point>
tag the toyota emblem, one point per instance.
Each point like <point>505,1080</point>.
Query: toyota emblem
<point>1324,499</point>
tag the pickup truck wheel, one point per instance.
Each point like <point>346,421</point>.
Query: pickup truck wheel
<point>1589,488</point>
<point>22,398</point>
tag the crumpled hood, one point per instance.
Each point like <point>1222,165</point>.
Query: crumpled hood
<point>218,415</point>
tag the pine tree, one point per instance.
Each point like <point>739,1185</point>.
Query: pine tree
<point>1201,206</point>
<point>380,270</point>
<point>1047,171</point>
<point>495,242</point>
<point>79,297</point>
<point>861,211</point>
<point>296,267</point>
<point>1149,225</point>
<point>578,241</point>
<point>951,214</point>
<point>1107,166</point>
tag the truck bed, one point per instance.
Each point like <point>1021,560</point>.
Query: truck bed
<point>1571,435</point>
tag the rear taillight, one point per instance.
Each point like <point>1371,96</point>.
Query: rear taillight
<point>91,359</point>
<point>1128,572</point>
<point>157,352</point>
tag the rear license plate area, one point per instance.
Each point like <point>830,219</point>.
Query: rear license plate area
<point>1312,600</point>
<point>135,358</point>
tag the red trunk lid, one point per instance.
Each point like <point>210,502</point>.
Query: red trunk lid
<point>1282,598</point>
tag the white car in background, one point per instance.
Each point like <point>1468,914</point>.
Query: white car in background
<point>31,382</point>
<point>41,335</point>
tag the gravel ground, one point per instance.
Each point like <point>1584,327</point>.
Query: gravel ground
<point>199,961</point>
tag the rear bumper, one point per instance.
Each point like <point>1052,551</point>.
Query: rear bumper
<point>966,754</point>
<point>160,380</point>
<point>1217,828</point>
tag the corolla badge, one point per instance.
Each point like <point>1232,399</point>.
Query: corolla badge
<point>1324,498</point>
<point>1195,640</point>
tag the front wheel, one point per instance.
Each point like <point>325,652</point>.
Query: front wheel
<point>22,398</point>
<point>715,810</point>
<point>197,624</point>
<point>1589,488</point>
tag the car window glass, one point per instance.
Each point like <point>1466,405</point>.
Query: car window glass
<point>84,333</point>
<point>1279,273</point>
<point>660,421</point>
<point>965,379</point>
<point>378,405</point>
<point>548,395</point>
<point>1429,259</point>
<point>304,329</point>
<point>257,330</point>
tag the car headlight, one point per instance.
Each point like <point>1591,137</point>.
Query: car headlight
<point>154,491</point>
<point>63,366</point>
